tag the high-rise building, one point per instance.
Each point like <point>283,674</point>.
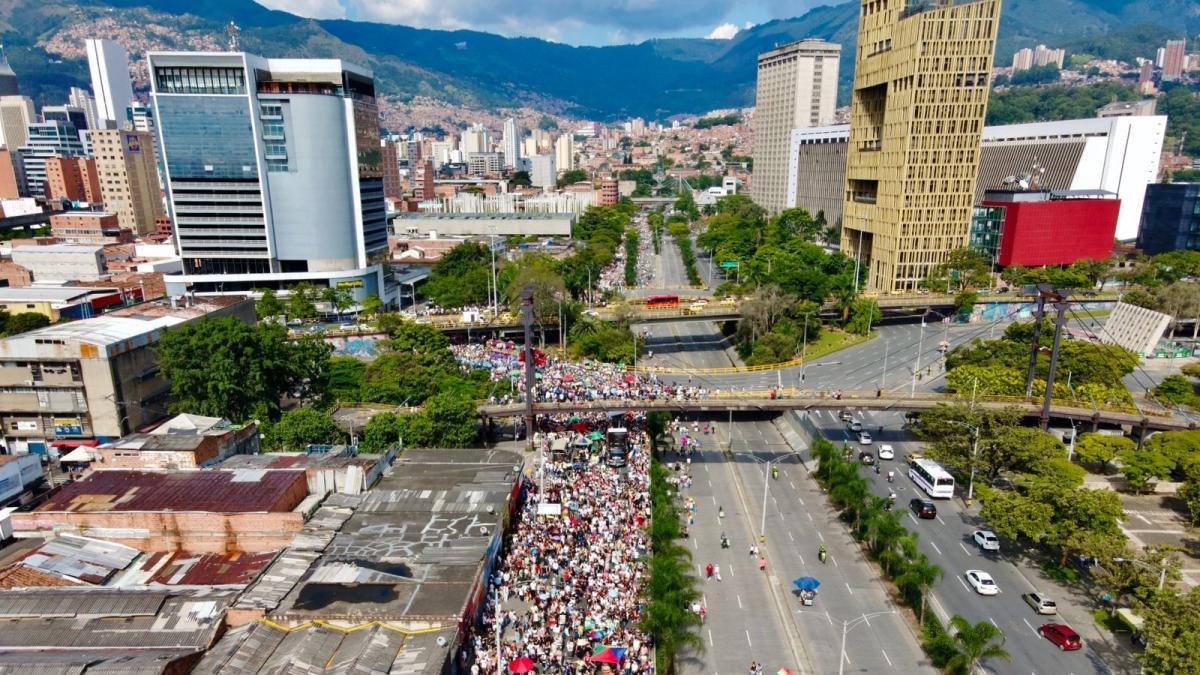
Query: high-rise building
<point>423,182</point>
<point>1044,56</point>
<point>1173,59</point>
<point>483,163</point>
<point>475,139</point>
<point>564,153</point>
<point>128,177</point>
<point>610,192</point>
<point>80,98</point>
<point>1022,59</point>
<point>12,180</point>
<point>392,186</point>
<point>72,178</point>
<point>16,114</point>
<point>8,79</point>
<point>111,87</point>
<point>274,172</point>
<point>797,87</point>
<point>1160,56</point>
<point>529,147</point>
<point>511,144</point>
<point>915,127</point>
<point>1170,218</point>
<point>46,140</point>
<point>541,171</point>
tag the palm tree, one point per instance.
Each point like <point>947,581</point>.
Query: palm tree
<point>975,643</point>
<point>893,556</point>
<point>921,574</point>
<point>844,298</point>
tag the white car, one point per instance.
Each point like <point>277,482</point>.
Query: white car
<point>987,540</point>
<point>887,452</point>
<point>982,582</point>
<point>864,438</point>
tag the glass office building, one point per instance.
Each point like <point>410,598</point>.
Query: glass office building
<point>272,172</point>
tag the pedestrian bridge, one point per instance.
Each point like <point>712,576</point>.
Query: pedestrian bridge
<point>1145,417</point>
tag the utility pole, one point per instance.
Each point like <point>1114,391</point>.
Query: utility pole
<point>1059,322</point>
<point>917,364</point>
<point>527,322</point>
<point>1038,314</point>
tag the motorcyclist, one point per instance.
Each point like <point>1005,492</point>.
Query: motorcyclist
<point>891,475</point>
<point>724,541</point>
<point>821,553</point>
<point>876,467</point>
<point>720,511</point>
<point>774,472</point>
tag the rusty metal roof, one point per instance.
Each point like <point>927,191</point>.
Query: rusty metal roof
<point>214,491</point>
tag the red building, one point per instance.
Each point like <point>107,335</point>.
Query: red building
<point>1044,227</point>
<point>609,192</point>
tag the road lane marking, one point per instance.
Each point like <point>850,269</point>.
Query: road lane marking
<point>935,547</point>
<point>710,640</point>
<point>993,622</point>
<point>835,562</point>
<point>964,584</point>
<point>809,516</point>
<point>793,487</point>
<point>790,536</point>
<point>885,656</point>
<point>748,639</point>
<point>821,536</point>
<point>801,558</point>
<point>739,599</point>
<point>800,500</point>
<point>939,519</point>
<point>710,483</point>
<point>912,518</point>
<point>1030,626</point>
<point>964,548</point>
<point>714,498</point>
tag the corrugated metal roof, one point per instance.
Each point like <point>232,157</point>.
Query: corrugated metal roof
<point>214,491</point>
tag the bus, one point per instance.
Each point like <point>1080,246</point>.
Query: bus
<point>657,301</point>
<point>618,446</point>
<point>932,478</point>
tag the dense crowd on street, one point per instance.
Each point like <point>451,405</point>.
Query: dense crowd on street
<point>569,582</point>
<point>560,380</point>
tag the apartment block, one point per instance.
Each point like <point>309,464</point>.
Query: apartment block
<point>72,178</point>
<point>128,177</point>
<point>921,83</point>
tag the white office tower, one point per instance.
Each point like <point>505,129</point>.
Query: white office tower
<point>541,172</point>
<point>274,172</point>
<point>564,153</point>
<point>80,98</point>
<point>474,140</point>
<point>109,65</point>
<point>512,144</point>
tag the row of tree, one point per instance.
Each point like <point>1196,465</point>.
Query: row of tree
<point>888,541</point>
<point>631,257</point>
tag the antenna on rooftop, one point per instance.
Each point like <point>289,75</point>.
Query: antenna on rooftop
<point>233,31</point>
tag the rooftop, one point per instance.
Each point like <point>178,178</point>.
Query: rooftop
<point>59,248</point>
<point>50,293</point>
<point>213,491</point>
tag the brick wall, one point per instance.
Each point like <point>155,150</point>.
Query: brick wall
<point>168,531</point>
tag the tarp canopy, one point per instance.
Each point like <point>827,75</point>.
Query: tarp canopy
<point>80,454</point>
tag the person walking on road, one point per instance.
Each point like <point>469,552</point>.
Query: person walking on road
<point>762,563</point>
<point>709,570</point>
<point>717,572</point>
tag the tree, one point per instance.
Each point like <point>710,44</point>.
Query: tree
<point>520,179</point>
<point>1177,389</point>
<point>380,433</point>
<point>1101,449</point>
<point>300,303</point>
<point>461,277</point>
<point>268,305</point>
<point>974,643</point>
<point>1142,467</point>
<point>372,305</point>
<point>571,177</point>
<point>792,223</point>
<point>538,272</point>
<point>1172,632</point>
<point>343,381</point>
<point>225,368</point>
<point>339,299</point>
<point>964,301</point>
<point>863,316</point>
<point>299,428</point>
<point>921,575</point>
<point>23,322</point>
<point>1189,492</point>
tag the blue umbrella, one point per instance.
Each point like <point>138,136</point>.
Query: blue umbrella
<point>807,583</point>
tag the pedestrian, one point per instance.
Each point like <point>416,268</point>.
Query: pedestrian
<point>717,572</point>
<point>762,563</point>
<point>709,570</point>
<point>703,613</point>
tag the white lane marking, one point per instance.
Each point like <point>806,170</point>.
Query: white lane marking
<point>801,558</point>
<point>800,500</point>
<point>790,536</point>
<point>710,640</point>
<point>885,656</point>
<point>731,570</point>
<point>821,536</point>
<point>935,547</point>
<point>809,516</point>
<point>939,519</point>
<point>964,584</point>
<point>864,618</point>
<point>910,517</point>
<point>739,599</point>
<point>964,548</point>
<point>710,483</point>
<point>1030,626</point>
<point>714,498</point>
<point>993,622</point>
<point>695,545</point>
<point>748,639</point>
<point>849,589</point>
<point>789,482</point>
<point>847,657</point>
<point>835,563</point>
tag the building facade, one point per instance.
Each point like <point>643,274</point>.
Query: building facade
<point>1174,57</point>
<point>47,140</point>
<point>128,177</point>
<point>274,172</point>
<point>511,144</point>
<point>796,88</point>
<point>541,171</point>
<point>89,227</point>
<point>1170,218</point>
<point>16,114</point>
<point>73,179</point>
<point>483,163</point>
<point>393,187</point>
<point>108,65</point>
<point>921,82</point>
<point>1043,227</point>
<point>564,153</point>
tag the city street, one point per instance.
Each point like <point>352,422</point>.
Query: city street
<point>947,540</point>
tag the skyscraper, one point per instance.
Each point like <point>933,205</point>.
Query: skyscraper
<point>16,114</point>
<point>511,144</point>
<point>1173,58</point>
<point>109,66</point>
<point>1022,59</point>
<point>921,82</point>
<point>274,172</point>
<point>80,98</point>
<point>46,140</point>
<point>797,87</point>
<point>128,177</point>
<point>392,186</point>
<point>475,139</point>
<point>564,152</point>
<point>8,79</point>
<point>541,171</point>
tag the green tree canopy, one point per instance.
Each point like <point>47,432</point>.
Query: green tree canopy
<point>268,305</point>
<point>1172,631</point>
<point>299,428</point>
<point>461,277</point>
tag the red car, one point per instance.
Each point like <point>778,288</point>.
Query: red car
<point>1061,635</point>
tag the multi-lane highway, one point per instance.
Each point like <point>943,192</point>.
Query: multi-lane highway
<point>948,542</point>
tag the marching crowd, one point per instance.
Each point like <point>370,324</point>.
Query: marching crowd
<point>568,580</point>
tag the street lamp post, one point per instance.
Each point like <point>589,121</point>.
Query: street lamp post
<point>767,463</point>
<point>847,626</point>
<point>883,376</point>
<point>804,350</point>
<point>917,363</point>
<point>1162,571</point>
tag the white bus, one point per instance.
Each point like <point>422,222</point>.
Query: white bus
<point>932,478</point>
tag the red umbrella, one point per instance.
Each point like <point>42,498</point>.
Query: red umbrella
<point>522,664</point>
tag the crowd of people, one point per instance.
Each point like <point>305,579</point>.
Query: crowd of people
<point>561,380</point>
<point>569,578</point>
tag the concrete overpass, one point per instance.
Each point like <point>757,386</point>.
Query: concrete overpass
<point>1145,419</point>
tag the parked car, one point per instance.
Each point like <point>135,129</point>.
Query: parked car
<point>987,540</point>
<point>923,508</point>
<point>887,452</point>
<point>1062,635</point>
<point>982,582</point>
<point>1040,603</point>
<point>864,438</point>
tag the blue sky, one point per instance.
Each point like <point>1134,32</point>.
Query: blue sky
<point>580,22</point>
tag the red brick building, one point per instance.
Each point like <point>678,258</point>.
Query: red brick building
<point>89,227</point>
<point>72,178</point>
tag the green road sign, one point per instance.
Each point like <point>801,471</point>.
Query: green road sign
<point>729,264</point>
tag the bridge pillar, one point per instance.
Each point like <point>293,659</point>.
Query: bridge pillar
<point>530,366</point>
<point>1060,322</point>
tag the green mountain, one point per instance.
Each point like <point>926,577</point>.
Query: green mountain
<point>654,79</point>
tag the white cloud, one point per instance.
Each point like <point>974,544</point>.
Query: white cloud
<point>725,31</point>
<point>313,9</point>
<point>748,26</point>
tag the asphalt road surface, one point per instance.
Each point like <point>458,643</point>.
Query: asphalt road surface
<point>948,542</point>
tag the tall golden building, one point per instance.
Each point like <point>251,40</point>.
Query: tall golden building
<point>921,80</point>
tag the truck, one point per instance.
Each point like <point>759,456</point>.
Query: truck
<point>617,450</point>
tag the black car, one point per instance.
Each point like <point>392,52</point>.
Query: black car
<point>866,457</point>
<point>923,509</point>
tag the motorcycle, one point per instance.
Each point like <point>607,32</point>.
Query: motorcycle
<point>822,555</point>
<point>724,541</point>
<point>775,472</point>
<point>891,476</point>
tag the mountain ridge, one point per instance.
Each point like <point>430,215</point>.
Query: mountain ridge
<point>656,78</point>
